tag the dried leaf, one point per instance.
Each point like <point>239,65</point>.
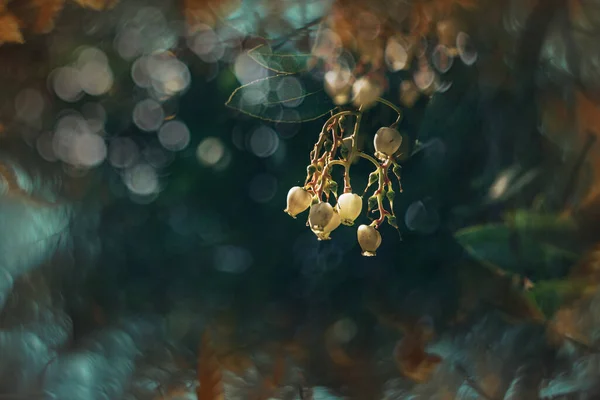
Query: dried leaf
<point>209,372</point>
<point>10,29</point>
<point>206,12</point>
<point>277,99</point>
<point>409,353</point>
<point>412,360</point>
<point>46,13</point>
<point>275,381</point>
<point>237,363</point>
<point>588,268</point>
<point>97,5</point>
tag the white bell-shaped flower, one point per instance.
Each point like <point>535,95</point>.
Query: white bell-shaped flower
<point>332,225</point>
<point>298,200</point>
<point>349,206</point>
<point>319,216</point>
<point>369,240</point>
<point>387,141</point>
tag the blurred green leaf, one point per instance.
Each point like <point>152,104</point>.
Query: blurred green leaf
<point>552,295</point>
<point>524,248</point>
<point>282,98</point>
<point>539,223</point>
<point>280,63</point>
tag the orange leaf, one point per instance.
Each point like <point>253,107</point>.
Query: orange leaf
<point>412,360</point>
<point>47,12</point>
<point>274,381</point>
<point>10,31</point>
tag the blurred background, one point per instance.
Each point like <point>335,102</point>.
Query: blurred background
<point>146,153</point>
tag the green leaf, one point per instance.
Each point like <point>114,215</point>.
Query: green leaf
<point>516,251</point>
<point>553,294</point>
<point>535,222</point>
<point>282,98</point>
<point>280,63</point>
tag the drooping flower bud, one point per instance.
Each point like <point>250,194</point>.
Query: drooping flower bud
<point>387,141</point>
<point>349,206</point>
<point>298,200</point>
<point>365,93</point>
<point>319,216</point>
<point>369,240</point>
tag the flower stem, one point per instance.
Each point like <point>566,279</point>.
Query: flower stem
<point>336,115</point>
<point>393,107</point>
<point>351,154</point>
<point>368,157</point>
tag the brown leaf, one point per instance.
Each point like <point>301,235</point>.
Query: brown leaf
<point>409,354</point>
<point>274,381</point>
<point>238,362</point>
<point>588,267</point>
<point>207,12</point>
<point>209,372</point>
<point>46,13</point>
<point>97,5</point>
<point>412,360</point>
<point>10,30</point>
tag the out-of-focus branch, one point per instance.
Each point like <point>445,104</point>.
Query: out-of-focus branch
<point>283,40</point>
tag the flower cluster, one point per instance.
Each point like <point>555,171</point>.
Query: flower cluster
<point>335,147</point>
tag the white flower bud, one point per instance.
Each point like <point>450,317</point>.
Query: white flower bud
<point>298,200</point>
<point>387,141</point>
<point>365,93</point>
<point>369,240</point>
<point>319,216</point>
<point>349,206</point>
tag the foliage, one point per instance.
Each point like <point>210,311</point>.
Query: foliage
<point>523,244</point>
<point>263,100</point>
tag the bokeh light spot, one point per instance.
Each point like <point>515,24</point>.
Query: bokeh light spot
<point>264,142</point>
<point>65,82</point>
<point>174,135</point>
<point>148,115</point>
<point>141,179</point>
<point>122,152</point>
<point>210,151</point>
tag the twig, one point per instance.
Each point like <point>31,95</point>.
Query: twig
<point>282,40</point>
